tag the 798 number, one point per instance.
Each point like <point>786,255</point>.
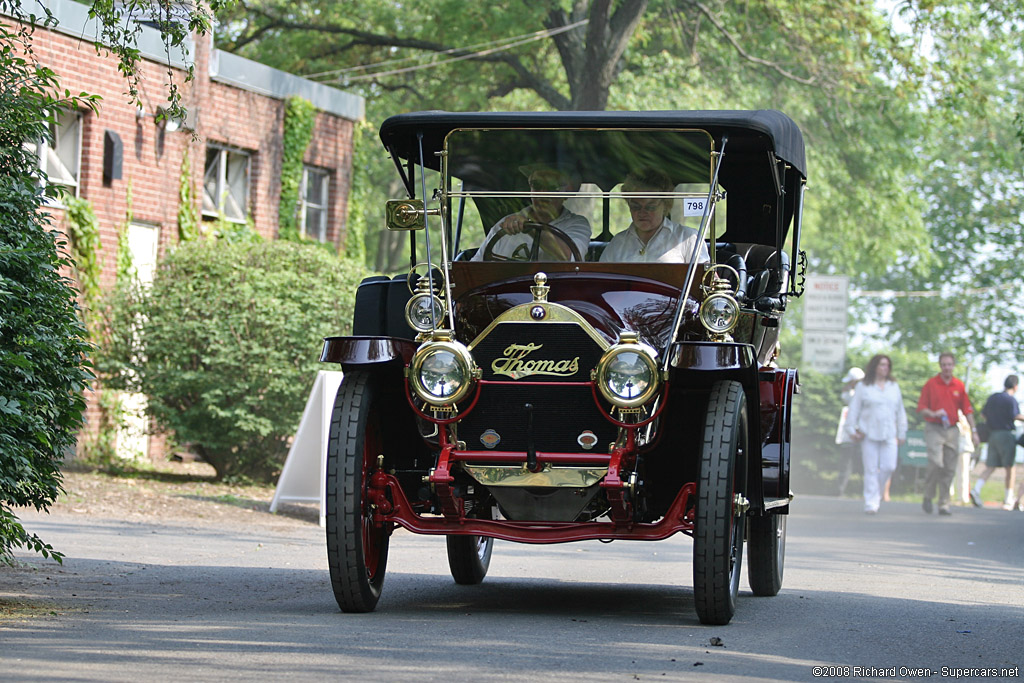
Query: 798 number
<point>694,206</point>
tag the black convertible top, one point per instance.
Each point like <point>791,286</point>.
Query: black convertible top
<point>762,170</point>
<point>767,129</point>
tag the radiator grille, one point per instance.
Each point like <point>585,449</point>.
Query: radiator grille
<point>520,355</point>
<point>551,352</point>
<point>560,415</point>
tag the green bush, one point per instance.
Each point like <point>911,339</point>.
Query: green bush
<point>43,345</point>
<point>226,344</point>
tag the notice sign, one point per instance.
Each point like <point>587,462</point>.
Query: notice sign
<point>825,351</point>
<point>825,303</point>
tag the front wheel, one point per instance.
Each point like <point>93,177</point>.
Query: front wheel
<point>766,554</point>
<point>357,550</point>
<point>718,526</point>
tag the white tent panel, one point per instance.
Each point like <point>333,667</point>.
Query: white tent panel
<point>303,479</point>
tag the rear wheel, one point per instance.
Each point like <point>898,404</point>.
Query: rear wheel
<point>357,551</point>
<point>468,558</point>
<point>718,527</point>
<point>766,554</point>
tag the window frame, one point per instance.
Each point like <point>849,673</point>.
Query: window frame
<point>224,154</point>
<point>44,148</point>
<point>305,205</point>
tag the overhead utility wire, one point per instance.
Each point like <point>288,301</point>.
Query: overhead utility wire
<point>362,67</point>
<point>928,293</point>
<point>508,44</point>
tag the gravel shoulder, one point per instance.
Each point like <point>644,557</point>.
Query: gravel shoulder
<point>175,494</point>
<point>183,492</point>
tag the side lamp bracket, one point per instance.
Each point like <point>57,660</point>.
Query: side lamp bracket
<point>407,214</point>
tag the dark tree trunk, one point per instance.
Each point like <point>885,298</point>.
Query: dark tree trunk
<point>593,60</point>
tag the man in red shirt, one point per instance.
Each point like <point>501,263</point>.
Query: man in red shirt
<point>943,397</point>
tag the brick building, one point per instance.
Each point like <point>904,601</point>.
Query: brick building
<point>126,162</point>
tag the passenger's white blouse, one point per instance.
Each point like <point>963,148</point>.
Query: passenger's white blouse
<point>672,243</point>
<point>878,412</point>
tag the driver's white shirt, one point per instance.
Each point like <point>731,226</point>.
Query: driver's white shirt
<point>672,243</point>
<point>577,227</point>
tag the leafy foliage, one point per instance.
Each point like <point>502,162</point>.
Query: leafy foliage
<point>43,347</point>
<point>188,215</point>
<point>815,455</point>
<point>124,268</point>
<point>84,234</point>
<point>225,345</point>
<point>361,195</point>
<point>100,449</point>
<point>964,297</point>
<point>299,117</point>
<point>119,24</point>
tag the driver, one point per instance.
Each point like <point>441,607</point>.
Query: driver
<point>652,237</point>
<point>551,210</point>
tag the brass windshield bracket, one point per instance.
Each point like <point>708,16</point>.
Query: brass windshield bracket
<point>407,214</point>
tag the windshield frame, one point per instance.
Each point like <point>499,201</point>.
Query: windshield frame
<point>453,219</point>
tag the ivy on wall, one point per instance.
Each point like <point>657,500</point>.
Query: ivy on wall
<point>188,217</point>
<point>125,271</point>
<point>363,138</point>
<point>299,117</point>
<point>84,234</point>
<point>100,449</point>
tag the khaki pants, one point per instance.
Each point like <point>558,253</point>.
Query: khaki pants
<point>943,445</point>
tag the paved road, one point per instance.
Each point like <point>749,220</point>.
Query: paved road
<point>160,602</point>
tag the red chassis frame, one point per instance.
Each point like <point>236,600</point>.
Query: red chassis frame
<point>390,504</point>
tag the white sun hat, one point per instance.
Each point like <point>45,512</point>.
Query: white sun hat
<point>853,375</point>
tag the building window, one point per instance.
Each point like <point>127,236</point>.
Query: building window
<point>226,184</point>
<point>313,203</point>
<point>60,155</point>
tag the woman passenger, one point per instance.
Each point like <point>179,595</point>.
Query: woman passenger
<point>652,237</point>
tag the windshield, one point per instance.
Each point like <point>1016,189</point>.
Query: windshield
<point>588,195</point>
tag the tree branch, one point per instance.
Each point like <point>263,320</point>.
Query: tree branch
<point>544,88</point>
<point>252,36</point>
<point>743,53</point>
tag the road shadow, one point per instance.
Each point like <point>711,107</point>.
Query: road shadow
<point>129,616</point>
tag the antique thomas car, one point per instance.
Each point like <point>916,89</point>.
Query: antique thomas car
<point>543,394</point>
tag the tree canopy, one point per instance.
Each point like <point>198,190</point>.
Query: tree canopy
<point>909,113</point>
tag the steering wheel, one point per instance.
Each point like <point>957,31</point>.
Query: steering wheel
<point>536,229</point>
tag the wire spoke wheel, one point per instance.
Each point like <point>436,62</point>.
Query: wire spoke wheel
<point>719,523</point>
<point>357,550</point>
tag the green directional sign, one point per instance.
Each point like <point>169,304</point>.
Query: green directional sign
<point>914,452</point>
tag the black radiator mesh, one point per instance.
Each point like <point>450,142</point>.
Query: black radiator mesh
<point>560,413</point>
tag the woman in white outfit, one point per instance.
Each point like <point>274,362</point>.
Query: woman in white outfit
<point>878,421</point>
<point>652,237</point>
